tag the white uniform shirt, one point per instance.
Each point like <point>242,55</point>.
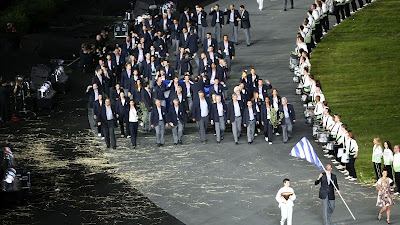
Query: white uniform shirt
<point>387,157</point>
<point>133,117</point>
<point>281,200</point>
<point>236,107</point>
<point>203,108</point>
<point>220,109</point>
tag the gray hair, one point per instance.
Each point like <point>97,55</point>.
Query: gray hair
<point>284,98</point>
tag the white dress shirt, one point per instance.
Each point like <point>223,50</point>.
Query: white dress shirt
<point>236,107</point>
<point>220,109</point>
<point>109,113</point>
<point>251,115</point>
<point>133,117</point>
<point>160,116</point>
<point>203,108</point>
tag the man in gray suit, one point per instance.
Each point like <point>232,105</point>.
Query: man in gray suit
<point>245,24</point>
<point>235,111</point>
<point>327,192</point>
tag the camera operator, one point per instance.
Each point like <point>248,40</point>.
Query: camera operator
<point>5,96</point>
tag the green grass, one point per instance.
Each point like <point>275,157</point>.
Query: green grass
<point>358,64</point>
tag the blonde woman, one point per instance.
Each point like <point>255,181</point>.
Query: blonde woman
<point>377,154</point>
<point>384,199</point>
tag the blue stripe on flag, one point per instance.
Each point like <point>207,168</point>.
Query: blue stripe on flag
<point>304,150</point>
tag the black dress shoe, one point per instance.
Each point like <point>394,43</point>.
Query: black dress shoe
<point>236,143</point>
<point>158,145</point>
<point>175,143</point>
<point>284,10</point>
<point>115,147</point>
<point>108,146</point>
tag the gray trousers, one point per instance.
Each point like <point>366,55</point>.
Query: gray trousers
<point>201,32</point>
<point>220,128</point>
<point>177,132</point>
<point>109,133</point>
<point>175,44</point>
<point>327,209</point>
<point>202,126</point>
<point>234,30</point>
<point>190,103</point>
<point>196,59</point>
<point>217,32</point>
<point>92,123</point>
<point>287,129</point>
<point>247,34</point>
<point>251,126</point>
<point>160,129</point>
<point>237,128</point>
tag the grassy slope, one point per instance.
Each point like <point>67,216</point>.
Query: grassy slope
<point>358,64</point>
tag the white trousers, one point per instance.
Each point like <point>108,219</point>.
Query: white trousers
<point>260,4</point>
<point>286,214</point>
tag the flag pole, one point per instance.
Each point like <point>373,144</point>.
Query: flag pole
<point>338,191</point>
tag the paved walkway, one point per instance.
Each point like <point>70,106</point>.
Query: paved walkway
<point>228,184</point>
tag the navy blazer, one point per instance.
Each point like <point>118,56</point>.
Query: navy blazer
<point>292,115</point>
<point>191,43</point>
<point>196,111</point>
<point>325,189</point>
<point>271,100</point>
<point>147,99</point>
<point>154,118</point>
<point>214,112</point>
<point>102,117</point>
<point>245,20</point>
<point>115,95</point>
<point>203,18</point>
<point>231,48</point>
<point>214,44</point>
<point>121,109</point>
<point>173,117</point>
<point>246,115</point>
<point>219,73</point>
<point>175,33</point>
<point>235,16</point>
<point>91,97</point>
<point>264,90</point>
<point>231,111</point>
<point>214,17</point>
<point>158,91</point>
<point>264,113</point>
<point>125,80</point>
<point>219,92</point>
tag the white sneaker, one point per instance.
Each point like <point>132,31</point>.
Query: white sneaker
<point>99,135</point>
<point>330,156</point>
<point>336,162</point>
<point>353,179</point>
<point>339,167</point>
<point>129,136</point>
<point>325,151</point>
<point>277,134</point>
<point>346,173</point>
<point>102,138</point>
<point>255,135</point>
<point>270,143</point>
<point>348,177</point>
<point>266,139</point>
<point>326,155</point>
<point>343,171</point>
<point>335,24</point>
<point>324,33</point>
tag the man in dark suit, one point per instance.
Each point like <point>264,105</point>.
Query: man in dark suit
<point>126,78</point>
<point>184,17</point>
<point>227,50</point>
<point>148,102</point>
<point>121,110</point>
<point>328,182</point>
<point>175,32</point>
<point>232,19</point>
<point>262,89</point>
<point>234,116</point>
<point>250,120</point>
<point>100,80</point>
<point>177,118</point>
<point>127,47</point>
<point>93,95</point>
<point>200,113</point>
<point>288,120</point>
<point>245,24</point>
<point>217,21</point>
<point>217,88</point>
<point>191,44</point>
<point>201,21</point>
<point>218,117</point>
<point>209,41</point>
<point>107,120</point>
<point>158,121</point>
<point>184,37</point>
<point>158,91</point>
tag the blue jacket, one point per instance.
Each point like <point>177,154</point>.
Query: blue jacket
<point>292,115</point>
<point>154,118</point>
<point>173,117</point>
<point>214,112</point>
<point>196,111</point>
